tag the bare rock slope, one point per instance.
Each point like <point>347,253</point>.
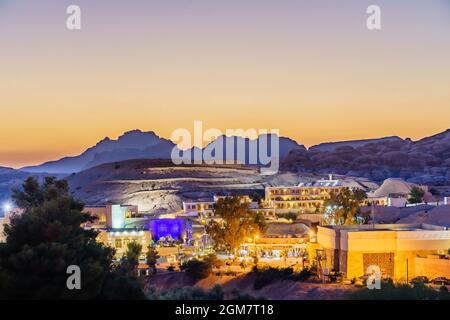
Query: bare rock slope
<point>158,186</point>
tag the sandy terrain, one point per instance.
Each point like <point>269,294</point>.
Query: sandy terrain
<point>286,290</point>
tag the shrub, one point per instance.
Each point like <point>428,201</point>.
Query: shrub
<point>266,276</point>
<point>197,269</point>
<point>391,291</point>
<point>189,293</point>
<point>303,275</point>
<point>171,268</point>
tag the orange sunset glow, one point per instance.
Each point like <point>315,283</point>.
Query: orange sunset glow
<point>255,65</point>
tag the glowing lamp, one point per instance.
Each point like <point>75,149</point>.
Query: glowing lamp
<point>7,207</point>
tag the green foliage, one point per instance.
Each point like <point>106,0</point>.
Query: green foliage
<point>197,269</point>
<point>238,295</point>
<point>152,257</point>
<point>256,197</point>
<point>47,238</point>
<point>171,268</point>
<point>213,261</point>
<point>189,293</point>
<point>267,275</point>
<point>289,216</point>
<point>344,207</point>
<point>118,286</point>
<point>416,195</point>
<point>238,223</point>
<point>130,261</point>
<point>391,291</point>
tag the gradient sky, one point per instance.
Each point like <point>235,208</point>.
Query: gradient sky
<point>308,68</point>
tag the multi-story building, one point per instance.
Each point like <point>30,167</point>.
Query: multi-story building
<point>304,198</point>
<point>111,215</point>
<point>202,209</point>
<point>205,209</point>
<point>394,248</point>
<point>120,238</point>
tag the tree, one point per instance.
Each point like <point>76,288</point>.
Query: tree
<point>416,195</point>
<point>197,269</point>
<point>256,197</point>
<point>237,223</point>
<point>130,261</point>
<point>45,240</point>
<point>152,257</point>
<point>344,207</point>
<point>292,216</point>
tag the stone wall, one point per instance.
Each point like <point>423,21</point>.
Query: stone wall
<point>432,268</point>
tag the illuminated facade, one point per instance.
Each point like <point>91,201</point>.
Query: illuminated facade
<point>393,247</point>
<point>120,238</point>
<point>306,197</point>
<point>178,229</point>
<point>110,216</point>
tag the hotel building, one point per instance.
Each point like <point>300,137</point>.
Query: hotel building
<point>120,238</point>
<point>398,249</point>
<point>304,198</point>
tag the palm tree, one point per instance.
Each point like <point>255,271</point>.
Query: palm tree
<point>152,257</point>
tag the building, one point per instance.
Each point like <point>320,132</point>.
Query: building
<point>280,240</point>
<point>5,219</point>
<point>119,239</point>
<point>394,248</point>
<point>205,209</point>
<point>111,215</point>
<point>179,229</point>
<point>202,209</point>
<point>304,198</point>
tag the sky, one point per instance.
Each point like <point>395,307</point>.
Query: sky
<point>311,69</point>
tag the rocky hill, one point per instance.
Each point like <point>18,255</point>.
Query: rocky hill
<point>131,145</point>
<point>426,161</point>
<point>11,178</point>
<point>157,186</point>
<point>147,145</point>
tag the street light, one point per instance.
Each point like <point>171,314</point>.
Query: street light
<point>7,207</point>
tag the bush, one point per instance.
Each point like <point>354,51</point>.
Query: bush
<point>266,276</point>
<point>189,293</point>
<point>171,268</point>
<point>197,269</point>
<point>237,295</point>
<point>391,291</point>
<point>303,275</point>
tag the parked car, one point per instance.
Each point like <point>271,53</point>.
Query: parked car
<point>442,281</point>
<point>420,279</point>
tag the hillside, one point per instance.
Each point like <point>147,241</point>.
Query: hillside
<point>147,145</point>
<point>11,178</point>
<point>426,161</point>
<point>157,186</point>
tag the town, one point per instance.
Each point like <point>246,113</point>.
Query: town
<point>334,226</point>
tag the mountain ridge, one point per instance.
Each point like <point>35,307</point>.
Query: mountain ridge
<point>426,160</point>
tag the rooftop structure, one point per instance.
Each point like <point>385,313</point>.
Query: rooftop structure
<point>392,247</point>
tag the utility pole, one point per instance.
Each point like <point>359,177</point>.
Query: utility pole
<point>407,271</point>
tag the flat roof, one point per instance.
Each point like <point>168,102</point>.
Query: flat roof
<point>387,227</point>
